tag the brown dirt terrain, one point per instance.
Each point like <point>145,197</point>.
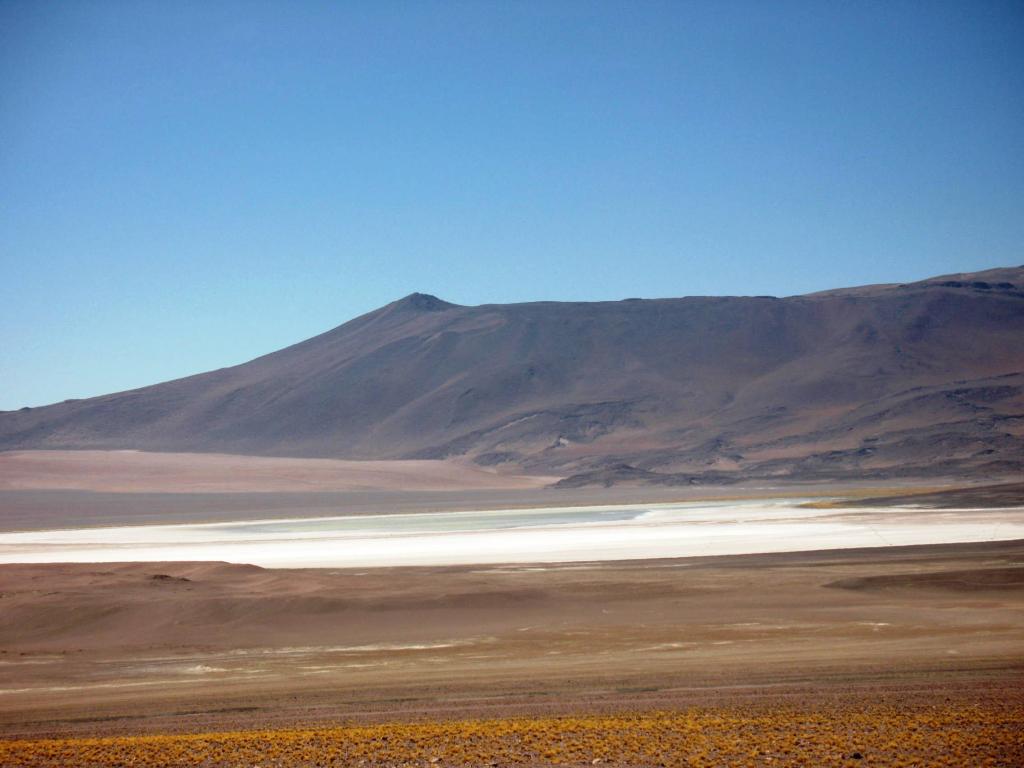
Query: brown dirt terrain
<point>60,489</point>
<point>142,472</point>
<point>986,496</point>
<point>113,649</point>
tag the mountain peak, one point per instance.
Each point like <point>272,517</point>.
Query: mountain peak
<point>880,382</point>
<point>422,302</point>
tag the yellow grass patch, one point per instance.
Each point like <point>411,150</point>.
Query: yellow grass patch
<point>983,734</point>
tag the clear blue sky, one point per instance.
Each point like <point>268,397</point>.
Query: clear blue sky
<point>185,186</point>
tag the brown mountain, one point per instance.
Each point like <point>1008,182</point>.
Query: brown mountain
<point>920,379</point>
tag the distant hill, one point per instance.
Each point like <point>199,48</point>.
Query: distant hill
<point>922,379</point>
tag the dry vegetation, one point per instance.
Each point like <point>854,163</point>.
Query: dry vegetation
<point>987,733</point>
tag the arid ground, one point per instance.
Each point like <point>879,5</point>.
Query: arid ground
<point>887,656</point>
<point>42,490</point>
<point>110,650</point>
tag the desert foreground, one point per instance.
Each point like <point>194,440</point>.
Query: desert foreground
<point>902,655</point>
<point>856,651</point>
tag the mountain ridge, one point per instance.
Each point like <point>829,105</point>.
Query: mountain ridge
<point>876,381</point>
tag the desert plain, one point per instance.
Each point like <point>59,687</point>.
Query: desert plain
<point>872,655</point>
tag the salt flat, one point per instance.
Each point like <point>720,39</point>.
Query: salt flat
<point>619,532</point>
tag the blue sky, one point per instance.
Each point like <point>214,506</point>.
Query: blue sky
<point>185,186</point>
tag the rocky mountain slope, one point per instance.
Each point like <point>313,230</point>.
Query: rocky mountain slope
<point>921,379</point>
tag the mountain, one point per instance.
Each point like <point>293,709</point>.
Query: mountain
<point>918,379</point>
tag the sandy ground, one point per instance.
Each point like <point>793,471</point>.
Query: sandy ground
<point>172,646</point>
<point>142,472</point>
<point>143,648</point>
